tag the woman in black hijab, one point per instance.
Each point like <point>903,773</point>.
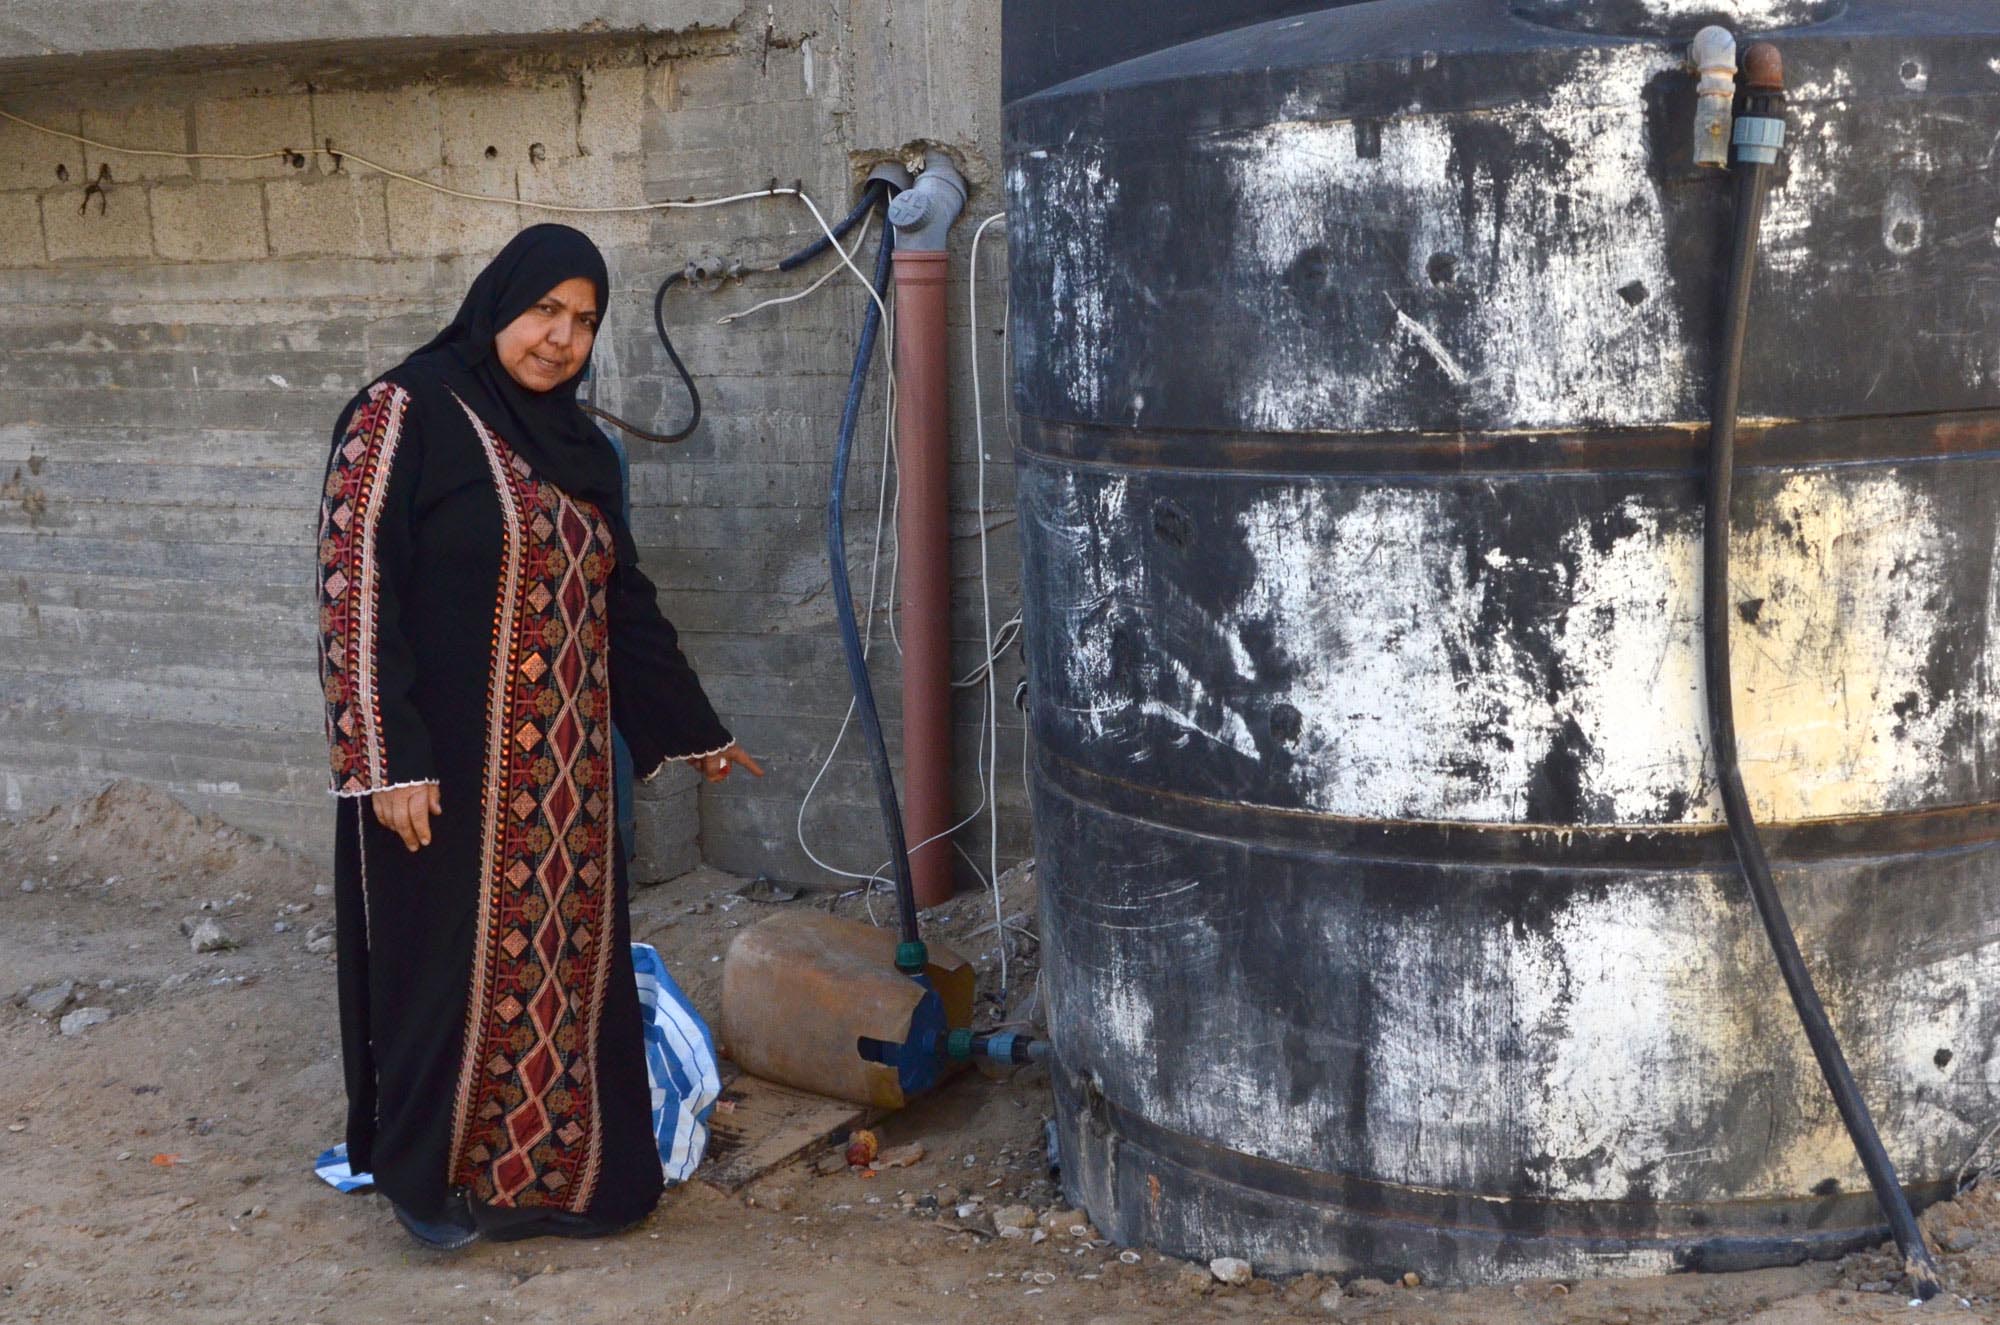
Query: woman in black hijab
<point>483,623</point>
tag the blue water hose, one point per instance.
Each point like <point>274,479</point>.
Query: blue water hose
<point>910,955</point>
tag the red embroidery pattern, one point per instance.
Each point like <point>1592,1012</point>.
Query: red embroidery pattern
<point>526,1127</point>
<point>349,587</point>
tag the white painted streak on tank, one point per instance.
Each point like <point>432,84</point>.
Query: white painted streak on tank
<point>1378,610</point>
<point>1816,150</point>
<point>1590,1050</point>
<point>1413,707</point>
<point>1105,584</point>
<point>1635,1047</point>
<point>1093,575</point>
<point>1740,14</point>
<point>1540,255</point>
<point>1835,713</point>
<point>1106,1014</point>
<point>1372,604</point>
<point>1075,196</point>
<point>1630,647</point>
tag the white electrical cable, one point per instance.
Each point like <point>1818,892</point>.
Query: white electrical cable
<point>830,273</point>
<point>989,791</point>
<point>149,151</point>
<point>845,261</point>
<point>1002,641</point>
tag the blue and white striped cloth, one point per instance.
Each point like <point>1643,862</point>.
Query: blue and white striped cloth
<point>334,1170</point>
<point>680,1063</point>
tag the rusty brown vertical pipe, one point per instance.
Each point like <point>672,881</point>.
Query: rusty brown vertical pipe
<point>923,215</point>
<point>923,526</point>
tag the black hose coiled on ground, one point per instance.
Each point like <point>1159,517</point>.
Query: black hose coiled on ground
<point>1766,103</point>
<point>910,956</point>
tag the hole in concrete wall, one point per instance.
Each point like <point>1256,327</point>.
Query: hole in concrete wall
<point>62,172</point>
<point>1634,293</point>
<point>537,153</point>
<point>492,152</point>
<point>1442,268</point>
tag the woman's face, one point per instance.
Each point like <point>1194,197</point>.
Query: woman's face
<point>548,344</point>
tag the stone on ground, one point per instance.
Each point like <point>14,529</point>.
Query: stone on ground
<point>81,1020</point>
<point>48,1002</point>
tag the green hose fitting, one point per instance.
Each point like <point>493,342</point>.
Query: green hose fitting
<point>958,1045</point>
<point>912,957</point>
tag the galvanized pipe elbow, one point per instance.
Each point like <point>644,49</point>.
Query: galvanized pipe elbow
<point>1713,54</point>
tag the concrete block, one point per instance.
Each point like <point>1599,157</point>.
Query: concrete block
<point>211,221</point>
<point>614,111</point>
<point>667,827</point>
<point>508,122</point>
<point>29,159</point>
<point>152,125</point>
<point>343,214</point>
<point>590,181</point>
<point>114,223</point>
<point>425,223</point>
<point>662,862</point>
<point>21,231</point>
<point>672,782</point>
<point>398,128</point>
<point>249,125</point>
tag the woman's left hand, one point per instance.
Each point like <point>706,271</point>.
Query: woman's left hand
<point>716,767</point>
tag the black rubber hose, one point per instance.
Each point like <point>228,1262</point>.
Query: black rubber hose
<point>1752,183</point>
<point>694,394</point>
<point>843,604</point>
<point>870,196</point>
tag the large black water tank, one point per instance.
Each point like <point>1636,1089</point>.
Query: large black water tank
<point>1362,360</point>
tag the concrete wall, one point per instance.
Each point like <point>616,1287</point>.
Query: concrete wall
<point>180,334</point>
<point>38,30</point>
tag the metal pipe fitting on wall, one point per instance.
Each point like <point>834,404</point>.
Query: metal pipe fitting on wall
<point>1713,54</point>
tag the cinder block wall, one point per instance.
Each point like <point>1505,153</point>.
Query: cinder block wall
<point>180,335</point>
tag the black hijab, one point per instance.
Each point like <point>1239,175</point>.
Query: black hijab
<point>544,427</point>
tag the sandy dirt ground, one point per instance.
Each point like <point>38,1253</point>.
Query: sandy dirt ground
<point>154,1165</point>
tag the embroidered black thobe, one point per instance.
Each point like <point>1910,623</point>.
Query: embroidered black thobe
<point>478,633</point>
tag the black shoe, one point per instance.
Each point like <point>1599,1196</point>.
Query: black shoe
<point>452,1230</point>
<point>506,1224</point>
